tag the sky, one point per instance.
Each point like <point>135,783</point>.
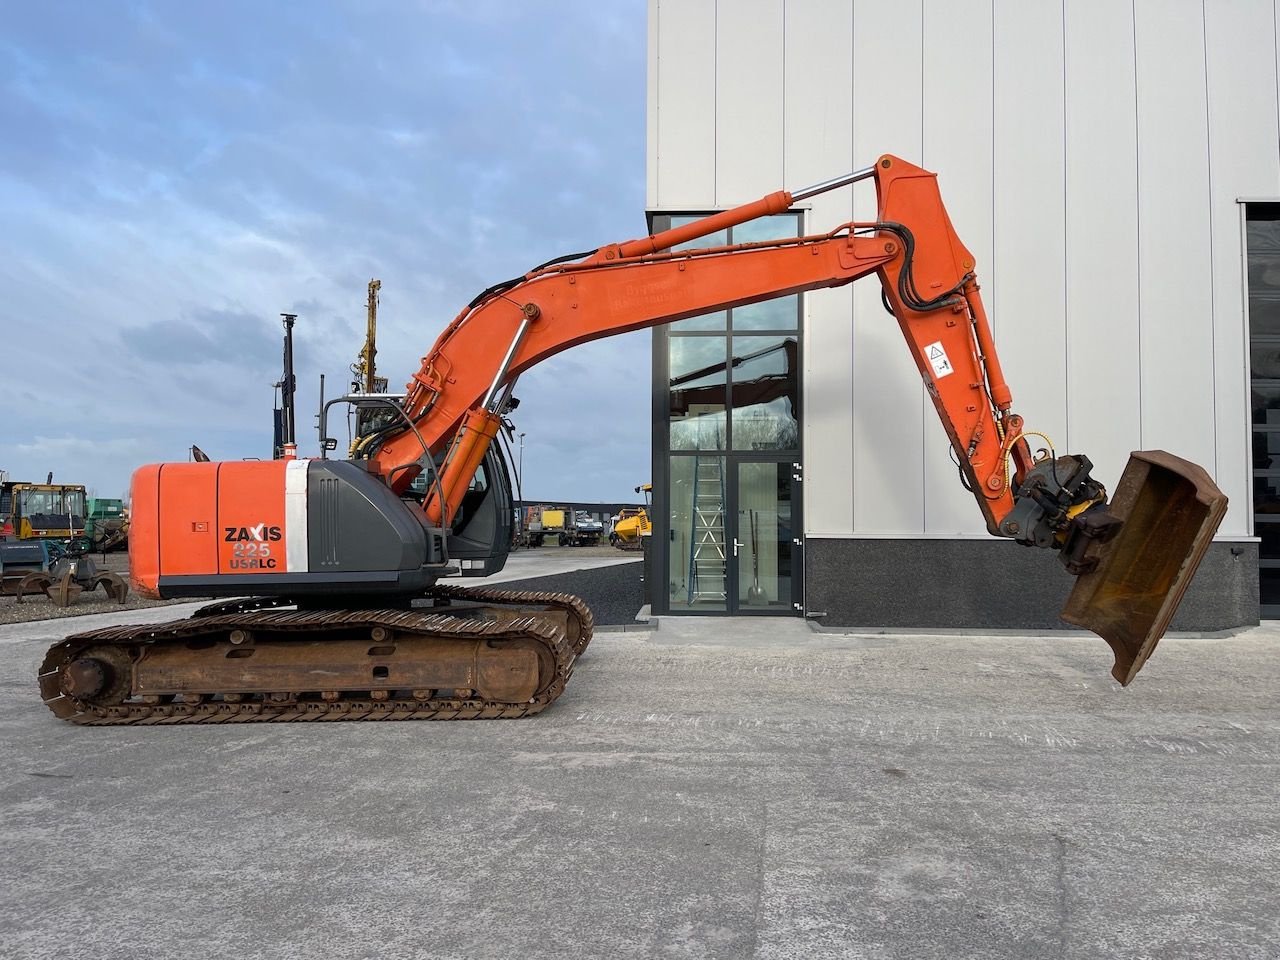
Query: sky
<point>173,176</point>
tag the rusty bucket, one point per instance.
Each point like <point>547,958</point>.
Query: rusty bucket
<point>1170,508</point>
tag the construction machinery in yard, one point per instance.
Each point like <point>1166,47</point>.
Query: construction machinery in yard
<point>555,521</point>
<point>531,531</point>
<point>632,523</point>
<point>107,524</point>
<point>43,511</point>
<point>371,414</point>
<point>581,529</point>
<point>47,567</point>
<point>347,616</point>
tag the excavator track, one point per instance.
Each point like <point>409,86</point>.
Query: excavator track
<point>581,623</point>
<point>478,654</point>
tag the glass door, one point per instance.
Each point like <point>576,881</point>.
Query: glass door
<point>765,562</point>
<point>1262,234</point>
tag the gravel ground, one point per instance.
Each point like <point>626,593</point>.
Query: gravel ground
<point>40,607</point>
<point>716,789</point>
<point>600,550</point>
<point>613,595</point>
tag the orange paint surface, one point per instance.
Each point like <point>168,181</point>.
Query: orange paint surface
<point>144,540</point>
<point>250,532</point>
<point>187,513</point>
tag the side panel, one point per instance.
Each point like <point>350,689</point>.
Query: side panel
<point>818,142</point>
<point>957,114</point>
<point>144,534</point>
<point>684,149</point>
<point>224,529</point>
<point>187,518</point>
<point>251,513</point>
<point>651,109</point>
<point>356,524</point>
<point>1103,378</point>
<point>1030,214</point>
<point>888,399</point>
<point>1174,247</point>
<point>749,122</point>
<point>1243,162</point>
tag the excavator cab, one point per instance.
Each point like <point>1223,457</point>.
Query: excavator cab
<point>1136,571</point>
<point>480,537</point>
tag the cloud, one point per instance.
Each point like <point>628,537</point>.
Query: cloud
<point>179,180</point>
<point>79,447</point>
<point>204,336</point>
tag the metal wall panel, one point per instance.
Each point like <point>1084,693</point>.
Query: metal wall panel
<point>651,107</point>
<point>957,144</point>
<point>1173,231</point>
<point>684,149</point>
<point>748,101</point>
<point>1103,392</point>
<point>1090,152</point>
<point>1243,161</point>
<point>1029,302</point>
<point>818,144</point>
<point>888,399</point>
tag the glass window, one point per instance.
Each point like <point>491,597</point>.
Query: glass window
<point>733,389</point>
<point>697,393</point>
<point>765,532</point>
<point>1269,587</point>
<point>716,322</point>
<point>780,313</point>
<point>1262,235</point>
<point>767,228</point>
<point>708,321</point>
<point>697,563</point>
<point>1264,357</point>
<point>766,388</point>
<point>718,239</point>
<point>40,501</point>
<point>1263,239</point>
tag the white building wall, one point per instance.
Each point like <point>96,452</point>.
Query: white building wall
<point>1091,153</point>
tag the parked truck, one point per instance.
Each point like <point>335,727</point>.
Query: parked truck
<point>581,530</point>
<point>531,532</point>
<point>555,521</point>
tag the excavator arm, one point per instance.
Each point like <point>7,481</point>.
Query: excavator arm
<point>1134,557</point>
<point>456,400</point>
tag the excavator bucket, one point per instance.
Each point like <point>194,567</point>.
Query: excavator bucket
<point>1170,509</point>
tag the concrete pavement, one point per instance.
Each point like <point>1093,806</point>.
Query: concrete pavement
<point>716,788</point>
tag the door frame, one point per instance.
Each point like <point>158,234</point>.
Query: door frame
<point>733,606</point>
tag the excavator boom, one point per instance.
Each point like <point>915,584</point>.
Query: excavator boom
<point>331,536</point>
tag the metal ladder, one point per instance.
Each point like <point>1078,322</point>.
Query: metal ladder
<point>707,557</point>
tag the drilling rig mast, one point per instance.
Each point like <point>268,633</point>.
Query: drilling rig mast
<point>367,380</point>
<point>371,415</point>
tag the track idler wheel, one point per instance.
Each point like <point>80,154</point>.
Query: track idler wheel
<point>98,675</point>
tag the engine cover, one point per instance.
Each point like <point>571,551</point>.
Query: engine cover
<point>275,528</point>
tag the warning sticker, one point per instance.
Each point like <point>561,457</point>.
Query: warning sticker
<point>938,360</point>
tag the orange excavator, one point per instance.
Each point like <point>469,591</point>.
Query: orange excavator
<point>334,568</point>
